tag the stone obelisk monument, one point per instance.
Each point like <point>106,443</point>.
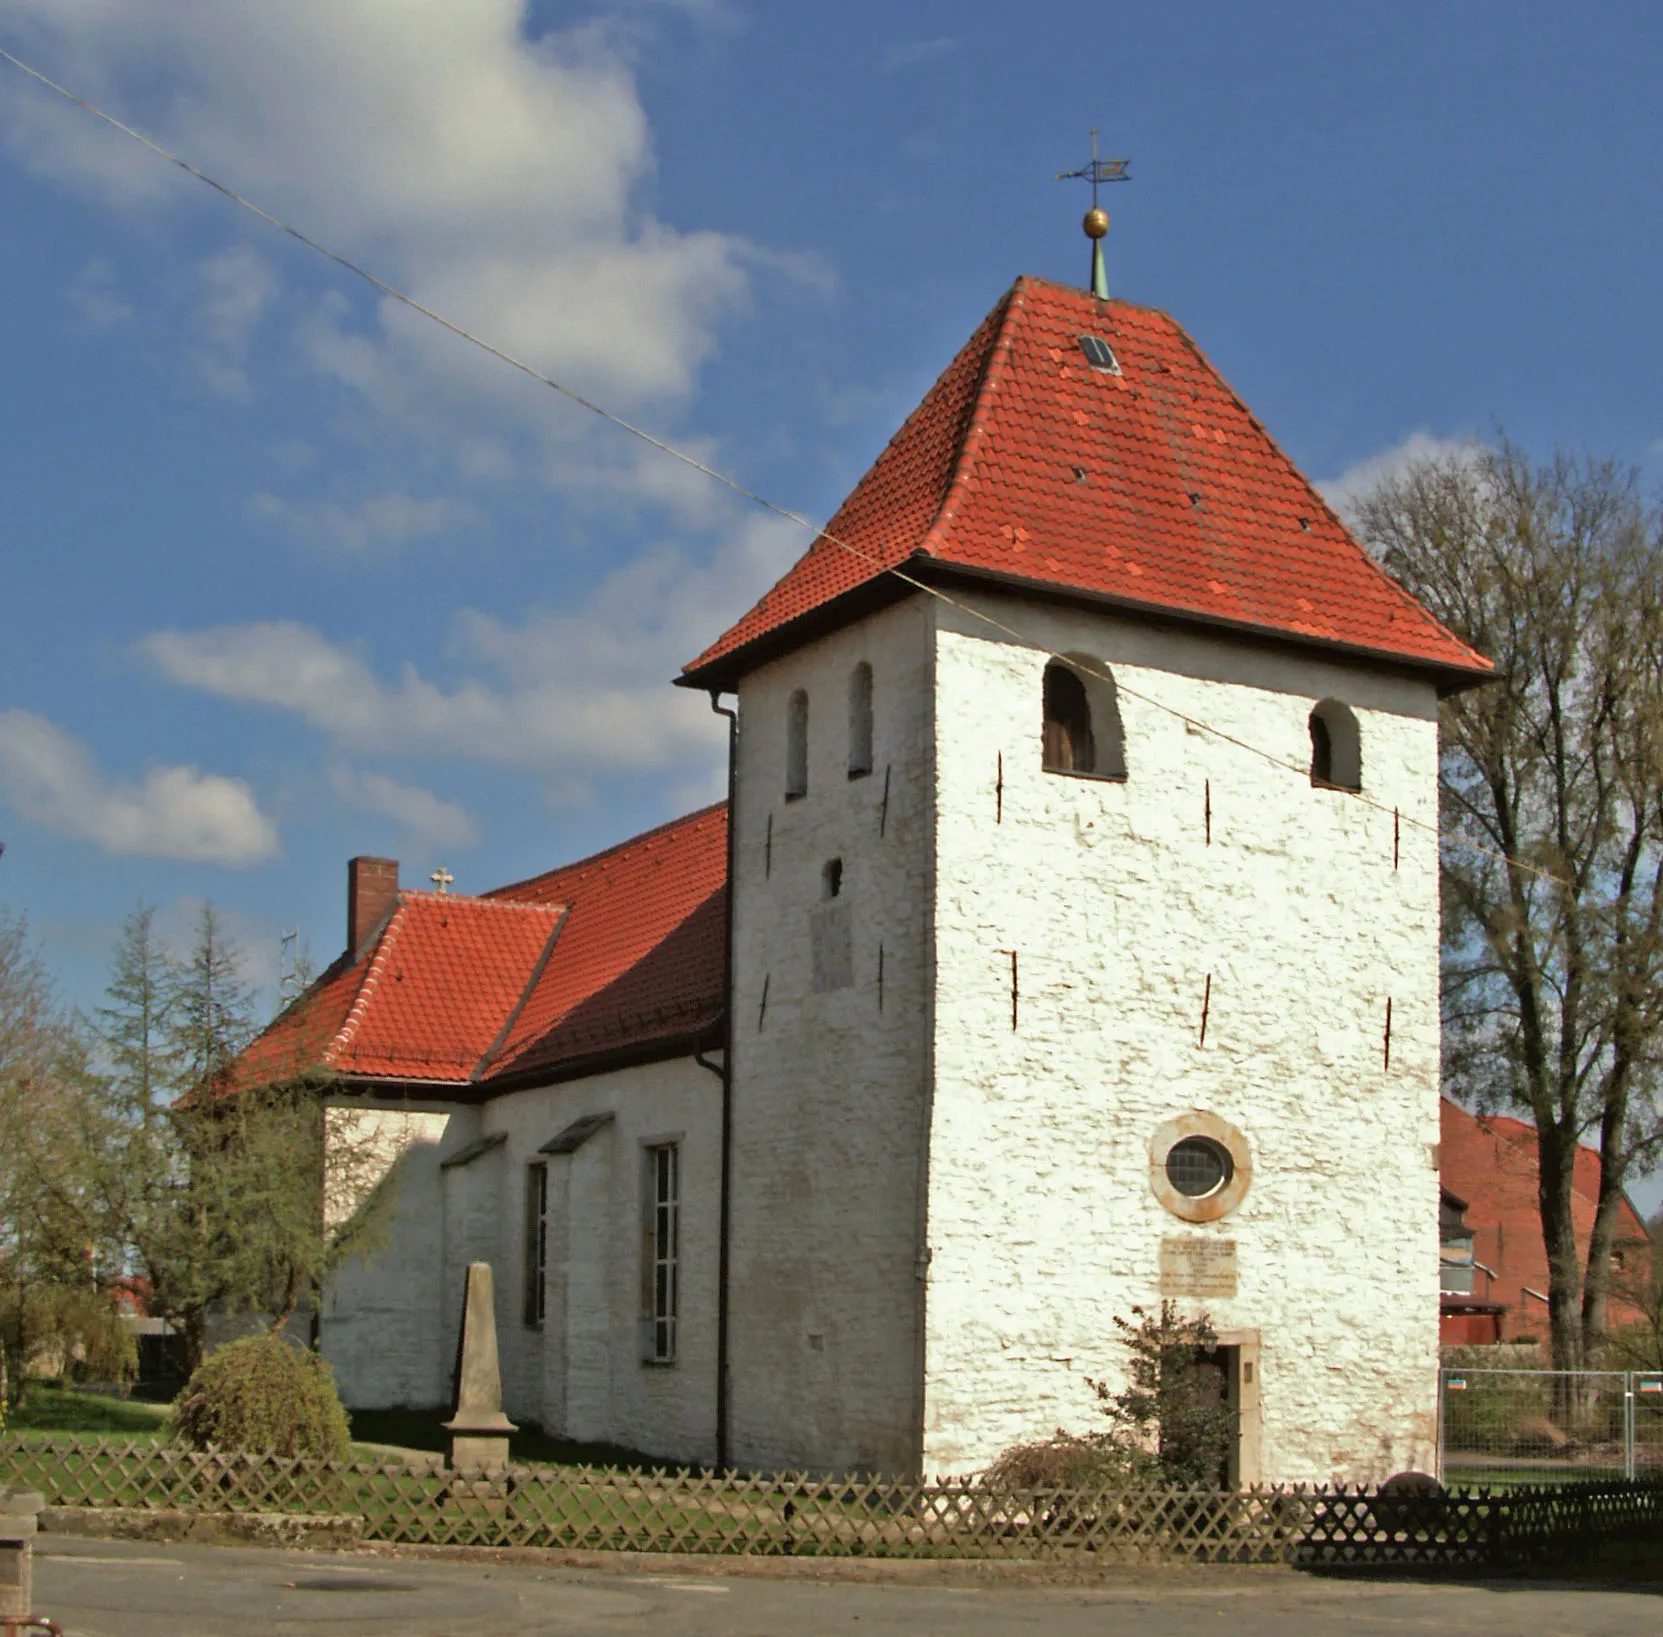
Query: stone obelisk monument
<point>479,1430</point>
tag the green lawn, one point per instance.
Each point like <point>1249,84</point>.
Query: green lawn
<point>47,1407</point>
<point>424,1429</point>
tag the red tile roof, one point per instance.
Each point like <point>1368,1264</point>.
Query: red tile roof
<point>619,952</point>
<point>1186,506</point>
<point>641,955</point>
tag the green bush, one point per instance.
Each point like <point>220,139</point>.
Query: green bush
<point>263,1396</point>
<point>1066,1461</point>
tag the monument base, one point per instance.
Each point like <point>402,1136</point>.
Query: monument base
<point>478,1453</point>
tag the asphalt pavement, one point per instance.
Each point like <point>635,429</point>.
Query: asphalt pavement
<point>97,1588</point>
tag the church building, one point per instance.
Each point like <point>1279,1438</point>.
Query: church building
<point>1069,942</point>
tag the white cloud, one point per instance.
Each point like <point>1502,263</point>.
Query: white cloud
<point>237,288</point>
<point>493,174</point>
<point>569,692</point>
<point>388,519</point>
<point>173,812</point>
<point>423,816</point>
<point>98,297</point>
<point>1343,492</point>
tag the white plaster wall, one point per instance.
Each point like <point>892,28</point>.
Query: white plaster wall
<point>829,1089</point>
<point>1042,1225</point>
<point>580,1375</point>
<point>382,1326</point>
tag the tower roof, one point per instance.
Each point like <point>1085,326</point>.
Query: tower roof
<point>1145,484</point>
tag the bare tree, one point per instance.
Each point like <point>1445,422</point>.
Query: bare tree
<point>53,1251</point>
<point>1552,806</point>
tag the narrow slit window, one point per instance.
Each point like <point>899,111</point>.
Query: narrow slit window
<point>660,1253</point>
<point>796,746</point>
<point>860,721</point>
<point>536,1244</point>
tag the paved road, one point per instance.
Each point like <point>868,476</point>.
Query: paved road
<point>115,1589</point>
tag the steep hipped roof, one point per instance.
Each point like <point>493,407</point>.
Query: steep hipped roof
<point>619,952</point>
<point>1151,487</point>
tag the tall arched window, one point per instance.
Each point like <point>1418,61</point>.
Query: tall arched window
<point>1083,733</point>
<point>1336,747</point>
<point>796,746</point>
<point>860,721</point>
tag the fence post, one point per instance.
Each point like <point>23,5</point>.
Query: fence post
<point>19,1509</point>
<point>1442,1372</point>
<point>1629,1420</point>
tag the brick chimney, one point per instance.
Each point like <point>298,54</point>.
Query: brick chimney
<point>371,892</point>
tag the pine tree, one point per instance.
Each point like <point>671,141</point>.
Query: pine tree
<point>209,1007</point>
<point>134,1027</point>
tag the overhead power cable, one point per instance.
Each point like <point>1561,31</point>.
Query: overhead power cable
<point>392,292</point>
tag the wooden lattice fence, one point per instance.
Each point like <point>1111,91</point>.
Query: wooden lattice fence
<point>605,1509</point>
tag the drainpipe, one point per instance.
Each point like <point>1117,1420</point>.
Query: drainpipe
<point>723,1235</point>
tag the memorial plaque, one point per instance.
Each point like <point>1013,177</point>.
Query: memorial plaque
<point>1192,1266</point>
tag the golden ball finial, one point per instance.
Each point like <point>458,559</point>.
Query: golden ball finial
<point>1096,223</point>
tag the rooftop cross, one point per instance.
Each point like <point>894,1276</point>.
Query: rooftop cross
<point>1096,222</point>
<point>441,878</point>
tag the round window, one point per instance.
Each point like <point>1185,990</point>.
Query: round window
<point>1198,1167</point>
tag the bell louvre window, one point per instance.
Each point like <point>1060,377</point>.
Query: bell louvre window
<point>660,1252</point>
<point>1068,738</point>
<point>536,1244</point>
<point>1336,747</point>
<point>1083,731</point>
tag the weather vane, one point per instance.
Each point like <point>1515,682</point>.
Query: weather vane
<point>1096,223</point>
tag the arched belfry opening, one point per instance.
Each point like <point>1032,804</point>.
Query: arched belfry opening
<point>1083,733</point>
<point>1336,747</point>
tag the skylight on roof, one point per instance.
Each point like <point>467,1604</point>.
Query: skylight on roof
<point>1099,354</point>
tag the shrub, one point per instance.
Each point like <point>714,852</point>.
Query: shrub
<point>1067,1461</point>
<point>1169,1425</point>
<point>1173,1404</point>
<point>61,1332</point>
<point>263,1396</point>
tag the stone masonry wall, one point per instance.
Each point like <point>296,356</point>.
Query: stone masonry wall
<point>829,1083</point>
<point>391,1316</point>
<point>580,1374</point>
<point>381,1322</point>
<point>1043,1225</point>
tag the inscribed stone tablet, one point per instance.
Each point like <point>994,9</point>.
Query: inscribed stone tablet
<point>1197,1267</point>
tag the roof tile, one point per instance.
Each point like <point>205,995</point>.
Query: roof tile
<point>621,949</point>
<point>1177,471</point>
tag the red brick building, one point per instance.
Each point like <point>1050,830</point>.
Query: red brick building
<point>1495,1266</point>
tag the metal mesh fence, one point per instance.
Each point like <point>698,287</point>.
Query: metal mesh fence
<point>797,1515</point>
<point>1647,1423</point>
<point>1534,1425</point>
<point>1548,1426</point>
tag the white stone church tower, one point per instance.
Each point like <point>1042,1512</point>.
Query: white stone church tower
<point>1084,953</point>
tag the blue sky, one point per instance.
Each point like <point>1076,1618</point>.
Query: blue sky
<point>290,576</point>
